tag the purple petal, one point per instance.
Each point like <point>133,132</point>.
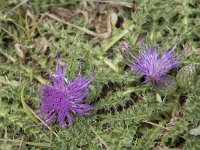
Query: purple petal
<point>61,99</point>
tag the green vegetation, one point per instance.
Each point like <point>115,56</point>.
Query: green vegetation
<point>129,114</point>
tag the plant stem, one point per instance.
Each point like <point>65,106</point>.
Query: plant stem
<point>176,104</point>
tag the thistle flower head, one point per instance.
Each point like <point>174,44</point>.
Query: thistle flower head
<point>166,86</point>
<point>151,64</point>
<point>63,98</point>
<point>186,76</point>
<point>124,46</point>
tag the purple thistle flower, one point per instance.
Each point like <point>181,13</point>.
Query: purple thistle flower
<point>62,98</point>
<point>151,64</point>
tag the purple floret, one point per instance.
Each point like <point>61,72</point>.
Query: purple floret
<point>63,98</point>
<point>152,65</point>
